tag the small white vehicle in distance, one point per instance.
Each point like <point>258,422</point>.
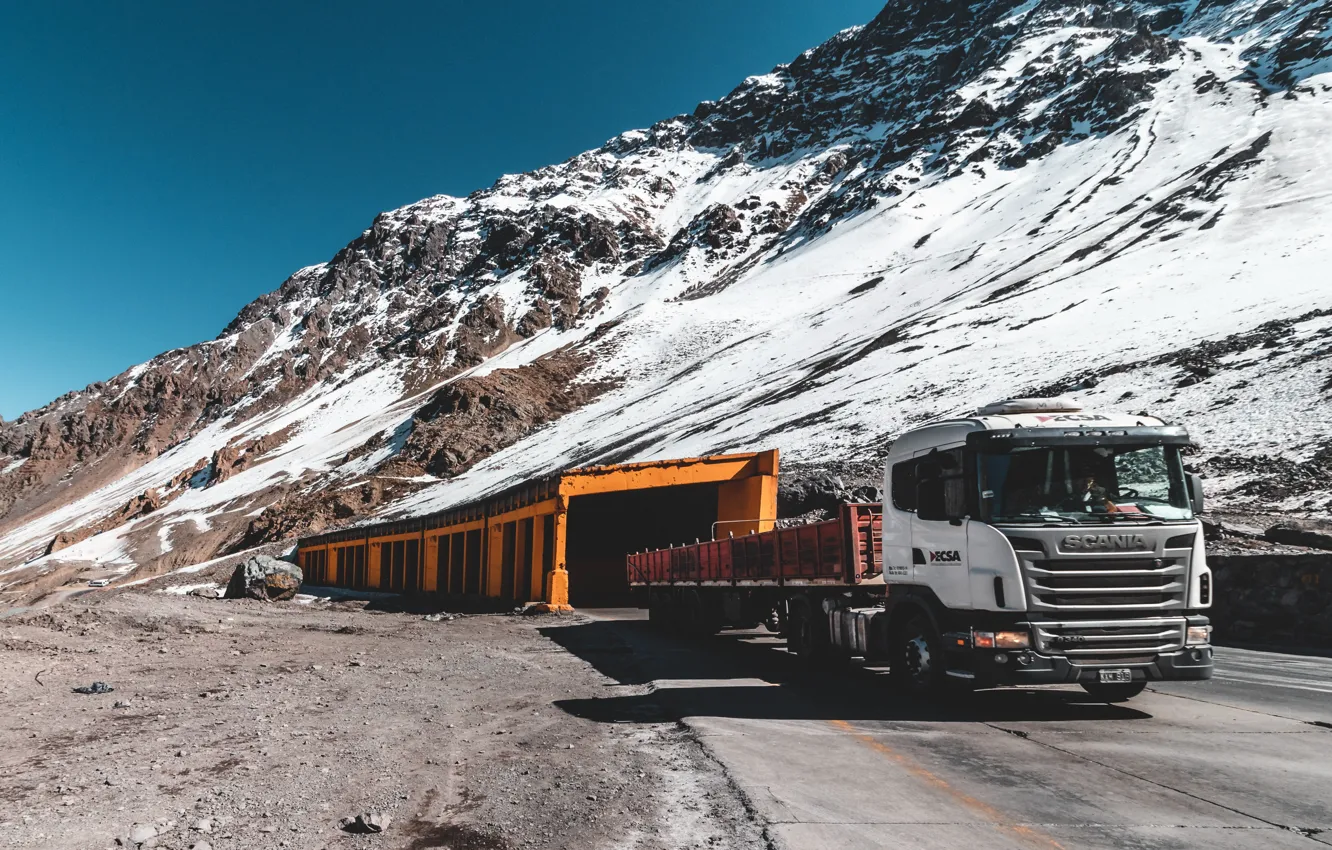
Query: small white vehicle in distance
<point>99,582</point>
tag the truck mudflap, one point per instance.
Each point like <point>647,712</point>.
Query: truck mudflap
<point>1032,668</point>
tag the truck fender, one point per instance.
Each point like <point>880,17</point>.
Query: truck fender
<point>901,608</point>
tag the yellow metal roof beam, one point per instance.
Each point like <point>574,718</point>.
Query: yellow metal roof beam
<point>667,473</point>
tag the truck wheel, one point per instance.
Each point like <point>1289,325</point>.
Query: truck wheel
<point>1113,691</point>
<point>917,663</point>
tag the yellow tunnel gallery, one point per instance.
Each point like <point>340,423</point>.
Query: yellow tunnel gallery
<point>561,539</point>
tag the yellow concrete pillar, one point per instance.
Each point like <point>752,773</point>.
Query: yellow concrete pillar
<point>429,565</point>
<point>372,565</point>
<point>535,590</point>
<point>494,559</point>
<point>557,583</point>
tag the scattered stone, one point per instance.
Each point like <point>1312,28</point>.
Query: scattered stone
<point>441,617</point>
<point>368,823</point>
<point>201,845</point>
<point>142,832</point>
<point>206,593</point>
<point>121,703</point>
<point>94,688</point>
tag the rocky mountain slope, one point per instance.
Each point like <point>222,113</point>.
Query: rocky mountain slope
<point>953,203</point>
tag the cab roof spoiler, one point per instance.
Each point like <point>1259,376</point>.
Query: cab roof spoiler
<point>1006,440</point>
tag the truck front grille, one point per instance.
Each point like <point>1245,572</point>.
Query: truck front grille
<point>1075,585</point>
<point>1110,642</point>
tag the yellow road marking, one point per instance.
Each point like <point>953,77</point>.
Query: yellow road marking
<point>1023,833</point>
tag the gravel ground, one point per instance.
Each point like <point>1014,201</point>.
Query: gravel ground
<point>241,724</point>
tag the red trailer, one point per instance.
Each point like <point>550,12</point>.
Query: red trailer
<point>777,577</point>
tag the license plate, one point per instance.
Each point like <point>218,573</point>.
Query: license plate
<point>1116,676</point>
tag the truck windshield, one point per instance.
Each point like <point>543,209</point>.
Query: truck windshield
<point>1084,484</point>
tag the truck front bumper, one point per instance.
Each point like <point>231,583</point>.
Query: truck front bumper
<point>1027,667</point>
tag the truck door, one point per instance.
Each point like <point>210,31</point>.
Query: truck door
<point>899,511</point>
<point>939,547</point>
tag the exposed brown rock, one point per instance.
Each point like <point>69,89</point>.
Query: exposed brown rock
<point>558,283</point>
<point>234,457</point>
<point>483,332</point>
<point>472,418</point>
<point>308,512</point>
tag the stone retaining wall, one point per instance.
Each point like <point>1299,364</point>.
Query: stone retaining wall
<point>1273,599</point>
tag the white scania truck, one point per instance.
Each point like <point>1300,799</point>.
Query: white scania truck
<point>1030,543</point>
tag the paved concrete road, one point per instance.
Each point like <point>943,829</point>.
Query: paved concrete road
<point>837,760</point>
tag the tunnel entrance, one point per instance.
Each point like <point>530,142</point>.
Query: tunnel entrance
<point>604,527</point>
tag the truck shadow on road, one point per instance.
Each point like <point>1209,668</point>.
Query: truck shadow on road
<point>744,675</point>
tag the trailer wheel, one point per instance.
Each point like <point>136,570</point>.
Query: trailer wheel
<point>693,619</point>
<point>917,663</point>
<point>1113,691</point>
<point>807,633</point>
<point>799,632</point>
<point>661,611</point>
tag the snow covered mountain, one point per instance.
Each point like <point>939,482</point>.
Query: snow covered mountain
<point>954,203</point>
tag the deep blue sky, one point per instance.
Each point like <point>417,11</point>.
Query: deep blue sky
<point>163,163</point>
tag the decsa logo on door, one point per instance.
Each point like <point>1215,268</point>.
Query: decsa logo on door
<point>947,555</point>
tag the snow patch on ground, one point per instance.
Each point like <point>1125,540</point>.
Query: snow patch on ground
<point>184,589</point>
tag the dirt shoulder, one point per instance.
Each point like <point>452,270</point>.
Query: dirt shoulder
<point>273,721</point>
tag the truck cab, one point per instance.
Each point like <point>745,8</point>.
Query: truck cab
<point>1035,542</point>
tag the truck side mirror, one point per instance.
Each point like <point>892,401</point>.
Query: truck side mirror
<point>1196,493</point>
<point>930,504</point>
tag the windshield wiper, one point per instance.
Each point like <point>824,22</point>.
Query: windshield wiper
<point>1147,519</point>
<point>1036,518</point>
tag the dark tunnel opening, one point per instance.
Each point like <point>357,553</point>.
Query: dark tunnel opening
<point>603,528</point>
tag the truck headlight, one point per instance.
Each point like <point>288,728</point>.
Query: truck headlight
<point>1000,640</point>
<point>1198,636</point>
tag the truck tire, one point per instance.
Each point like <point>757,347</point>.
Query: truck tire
<point>661,612</point>
<point>802,638</point>
<point>917,662</point>
<point>1113,691</point>
<point>807,638</point>
<point>693,620</point>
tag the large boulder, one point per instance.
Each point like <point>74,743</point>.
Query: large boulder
<point>262,577</point>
